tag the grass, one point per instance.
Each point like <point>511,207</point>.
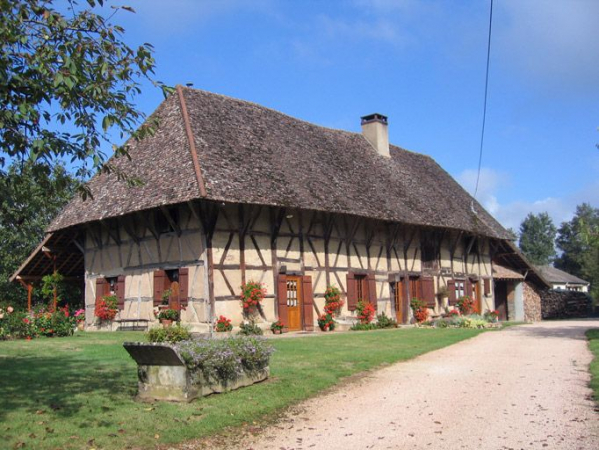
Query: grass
<point>78,392</point>
<point>593,337</point>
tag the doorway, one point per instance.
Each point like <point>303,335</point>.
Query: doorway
<point>294,303</point>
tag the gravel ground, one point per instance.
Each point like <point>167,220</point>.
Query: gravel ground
<point>525,387</point>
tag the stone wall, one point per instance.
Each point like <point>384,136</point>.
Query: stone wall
<point>532,303</point>
<point>565,304</point>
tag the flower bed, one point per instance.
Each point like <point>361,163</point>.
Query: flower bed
<point>193,368</point>
<point>40,322</point>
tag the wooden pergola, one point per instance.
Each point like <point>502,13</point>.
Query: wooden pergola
<point>60,252</point>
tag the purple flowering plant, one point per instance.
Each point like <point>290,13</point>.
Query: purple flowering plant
<point>225,359</point>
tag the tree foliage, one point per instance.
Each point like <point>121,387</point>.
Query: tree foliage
<point>578,240</point>
<point>537,238</point>
<point>30,204</point>
<point>67,85</point>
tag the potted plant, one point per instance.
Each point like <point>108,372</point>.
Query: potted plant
<point>252,294</point>
<point>166,295</point>
<point>419,309</point>
<point>168,316</point>
<point>106,308</point>
<point>365,311</point>
<point>332,301</point>
<point>465,305</point>
<point>223,325</point>
<point>326,322</point>
<point>492,316</point>
<point>277,327</point>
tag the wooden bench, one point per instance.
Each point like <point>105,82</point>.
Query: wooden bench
<point>133,324</point>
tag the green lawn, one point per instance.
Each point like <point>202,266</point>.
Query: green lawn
<point>78,392</point>
<point>593,337</point>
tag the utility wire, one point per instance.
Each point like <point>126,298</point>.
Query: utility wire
<point>482,134</point>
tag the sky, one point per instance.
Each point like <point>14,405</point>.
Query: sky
<point>421,63</point>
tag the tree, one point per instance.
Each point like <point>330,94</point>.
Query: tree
<point>67,86</point>
<point>537,238</point>
<point>32,202</point>
<point>579,242</point>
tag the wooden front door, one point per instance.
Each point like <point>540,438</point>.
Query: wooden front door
<point>476,297</point>
<point>501,298</point>
<point>294,303</point>
<point>401,303</point>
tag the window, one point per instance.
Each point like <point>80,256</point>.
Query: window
<point>171,286</point>
<point>111,286</point>
<point>361,288</point>
<point>460,288</point>
<point>163,225</point>
<point>428,250</point>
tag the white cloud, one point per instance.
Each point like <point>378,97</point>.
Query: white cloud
<point>511,214</point>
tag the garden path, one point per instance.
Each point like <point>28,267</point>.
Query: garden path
<point>525,387</point>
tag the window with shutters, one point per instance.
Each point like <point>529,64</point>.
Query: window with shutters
<point>459,288</point>
<point>111,285</point>
<point>171,287</point>
<point>106,286</point>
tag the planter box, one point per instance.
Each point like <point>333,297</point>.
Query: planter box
<point>163,375</point>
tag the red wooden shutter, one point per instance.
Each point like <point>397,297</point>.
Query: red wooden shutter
<point>371,290</point>
<point>428,291</point>
<point>487,286</point>
<point>451,289</point>
<point>308,303</point>
<point>120,291</point>
<point>468,287</point>
<point>100,285</point>
<point>282,298</point>
<point>183,286</point>
<point>352,301</point>
<point>159,278</point>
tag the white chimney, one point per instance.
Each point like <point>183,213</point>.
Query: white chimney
<point>374,129</point>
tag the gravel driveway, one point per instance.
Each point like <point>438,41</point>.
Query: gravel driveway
<point>525,387</point>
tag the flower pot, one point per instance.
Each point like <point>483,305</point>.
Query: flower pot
<point>277,331</point>
<point>166,323</point>
<point>81,326</point>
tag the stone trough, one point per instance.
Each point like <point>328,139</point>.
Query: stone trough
<point>163,375</point>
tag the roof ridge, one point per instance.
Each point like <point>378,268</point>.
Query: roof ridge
<point>191,141</point>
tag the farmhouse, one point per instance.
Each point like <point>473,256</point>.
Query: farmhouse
<point>233,191</point>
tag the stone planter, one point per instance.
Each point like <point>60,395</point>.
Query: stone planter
<point>163,375</point>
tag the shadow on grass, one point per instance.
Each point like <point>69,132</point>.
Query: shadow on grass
<point>60,384</point>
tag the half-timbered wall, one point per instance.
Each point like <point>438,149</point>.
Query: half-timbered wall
<point>137,246</point>
<point>240,243</point>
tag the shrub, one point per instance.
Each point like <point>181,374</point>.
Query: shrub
<point>363,327</point>
<point>169,334</point>
<point>59,323</point>
<point>225,359</point>
<point>249,329</point>
<point>223,325</point>
<point>383,321</point>
<point>365,311</point>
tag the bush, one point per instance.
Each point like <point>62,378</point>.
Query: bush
<point>250,329</point>
<point>383,321</point>
<point>225,359</point>
<point>363,326</point>
<point>169,334</point>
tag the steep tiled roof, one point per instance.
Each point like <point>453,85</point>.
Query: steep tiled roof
<point>251,154</point>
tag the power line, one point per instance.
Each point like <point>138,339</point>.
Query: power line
<point>482,134</point>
